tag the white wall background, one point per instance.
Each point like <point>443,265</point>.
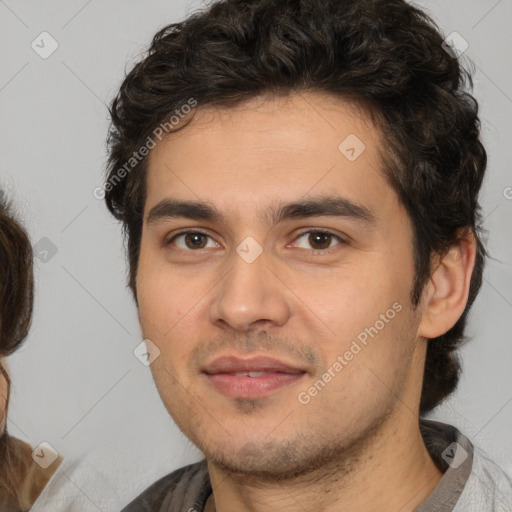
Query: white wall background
<point>77,384</point>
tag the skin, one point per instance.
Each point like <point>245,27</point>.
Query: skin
<point>3,396</point>
<point>357,442</point>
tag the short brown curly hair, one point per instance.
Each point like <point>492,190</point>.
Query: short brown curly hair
<point>385,55</point>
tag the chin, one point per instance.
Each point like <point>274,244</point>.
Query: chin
<point>275,461</point>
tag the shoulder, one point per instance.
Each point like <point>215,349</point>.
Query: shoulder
<point>472,481</point>
<point>24,473</point>
<point>187,487</point>
<point>489,487</point>
<point>79,485</point>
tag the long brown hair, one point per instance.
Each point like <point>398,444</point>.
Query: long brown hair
<point>16,303</point>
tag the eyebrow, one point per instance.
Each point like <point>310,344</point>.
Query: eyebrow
<point>331,206</point>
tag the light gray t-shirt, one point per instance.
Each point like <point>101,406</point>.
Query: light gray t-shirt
<point>471,482</point>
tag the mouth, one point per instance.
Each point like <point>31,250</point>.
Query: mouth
<point>251,378</point>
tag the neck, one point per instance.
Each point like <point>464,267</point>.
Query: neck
<point>392,471</point>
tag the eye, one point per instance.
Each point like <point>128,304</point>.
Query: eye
<point>318,240</point>
<point>191,240</point>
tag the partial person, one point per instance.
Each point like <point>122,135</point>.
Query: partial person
<point>21,478</point>
<point>298,181</point>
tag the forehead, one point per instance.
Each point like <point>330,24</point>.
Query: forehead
<point>268,149</point>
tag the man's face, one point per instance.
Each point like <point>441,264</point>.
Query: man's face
<point>323,292</point>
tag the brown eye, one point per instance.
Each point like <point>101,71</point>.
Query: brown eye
<point>318,240</point>
<point>195,240</point>
<point>191,240</point>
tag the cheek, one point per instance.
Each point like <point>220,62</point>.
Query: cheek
<point>166,314</point>
<point>348,299</point>
<point>165,291</point>
<point>158,295</point>
<point>363,309</point>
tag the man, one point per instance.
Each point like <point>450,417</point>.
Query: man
<point>298,181</point>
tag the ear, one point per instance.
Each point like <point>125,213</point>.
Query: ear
<point>446,294</point>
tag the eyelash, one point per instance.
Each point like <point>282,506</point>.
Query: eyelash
<point>300,235</point>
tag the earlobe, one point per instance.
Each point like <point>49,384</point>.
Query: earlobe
<point>446,293</point>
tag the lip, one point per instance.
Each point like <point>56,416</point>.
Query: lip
<point>234,364</point>
<point>276,375</point>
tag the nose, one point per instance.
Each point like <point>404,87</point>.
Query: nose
<point>249,296</point>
